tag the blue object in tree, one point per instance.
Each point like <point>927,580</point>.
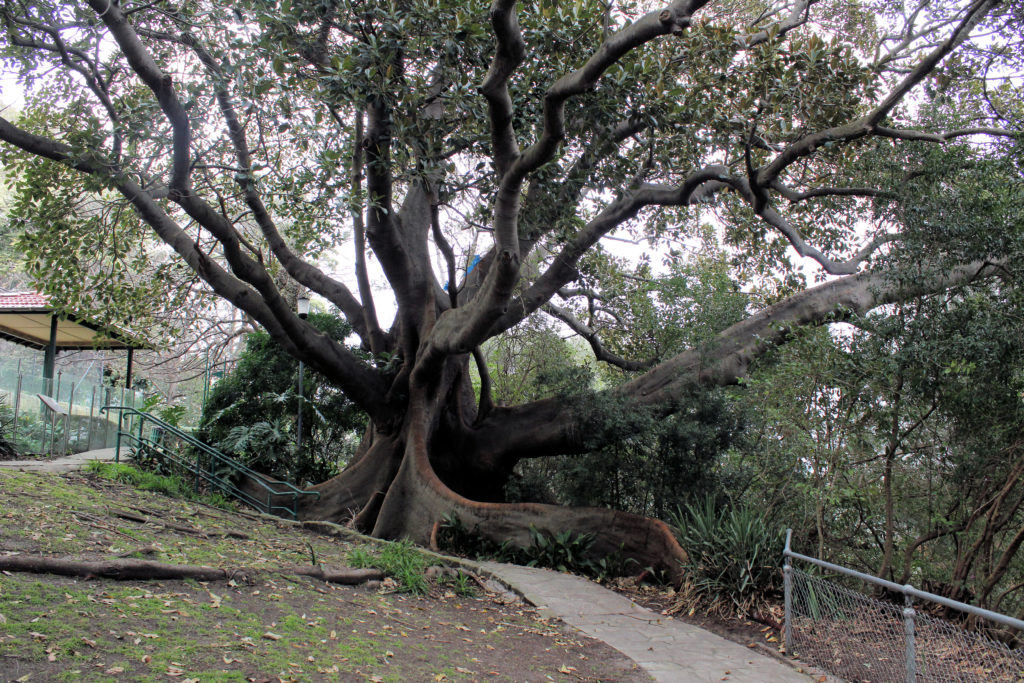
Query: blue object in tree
<point>472,265</point>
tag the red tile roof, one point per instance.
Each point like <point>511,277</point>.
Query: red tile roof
<point>24,300</point>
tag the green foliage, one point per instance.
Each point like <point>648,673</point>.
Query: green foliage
<point>251,412</point>
<point>653,464</point>
<point>168,485</point>
<point>565,552</point>
<point>400,560</point>
<point>734,553</point>
<point>7,449</point>
<point>460,584</point>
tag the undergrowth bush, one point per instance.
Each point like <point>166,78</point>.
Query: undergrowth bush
<point>564,552</point>
<point>251,414</point>
<point>168,485</point>
<point>7,449</point>
<point>734,558</point>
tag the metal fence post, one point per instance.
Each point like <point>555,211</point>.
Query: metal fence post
<point>67,420</point>
<point>908,625</point>
<point>92,413</point>
<point>787,577</point>
<point>17,405</point>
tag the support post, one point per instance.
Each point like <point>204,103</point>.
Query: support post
<point>17,405</point>
<point>128,370</point>
<point>67,418</point>
<point>50,358</point>
<point>298,436</point>
<point>908,626</point>
<point>787,578</point>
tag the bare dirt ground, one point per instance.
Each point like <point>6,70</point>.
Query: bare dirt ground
<point>269,627</point>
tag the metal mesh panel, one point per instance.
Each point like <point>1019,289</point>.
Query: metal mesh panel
<point>846,632</point>
<point>946,652</point>
<point>862,639</point>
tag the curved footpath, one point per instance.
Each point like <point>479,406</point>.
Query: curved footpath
<point>66,464</point>
<point>668,649</point>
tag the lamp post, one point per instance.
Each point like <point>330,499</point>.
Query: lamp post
<point>302,307</point>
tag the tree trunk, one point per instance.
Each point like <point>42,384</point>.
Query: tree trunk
<point>406,483</point>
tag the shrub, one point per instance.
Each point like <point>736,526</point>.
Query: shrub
<point>251,413</point>
<point>564,552</point>
<point>7,449</point>
<point>734,552</point>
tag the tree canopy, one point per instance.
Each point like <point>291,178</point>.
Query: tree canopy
<point>238,147</point>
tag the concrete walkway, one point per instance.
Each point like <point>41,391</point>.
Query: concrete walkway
<point>668,649</point>
<point>66,464</point>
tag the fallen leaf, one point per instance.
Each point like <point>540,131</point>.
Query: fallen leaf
<point>114,670</point>
<point>271,636</point>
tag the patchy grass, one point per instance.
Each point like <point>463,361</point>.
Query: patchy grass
<point>176,487</point>
<point>400,560</point>
<point>273,628</point>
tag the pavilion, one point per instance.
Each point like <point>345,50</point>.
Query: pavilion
<point>28,318</point>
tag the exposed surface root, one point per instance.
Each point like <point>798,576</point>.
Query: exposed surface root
<point>129,569</point>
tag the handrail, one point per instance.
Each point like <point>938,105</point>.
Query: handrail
<point>266,484</point>
<point>905,589</point>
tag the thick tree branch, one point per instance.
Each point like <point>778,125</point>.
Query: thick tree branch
<point>907,134</point>
<point>360,383</point>
<point>378,343</point>
<point>867,124</point>
<point>304,273</point>
<point>486,386</point>
<point>508,55</point>
<point>156,80</point>
<point>795,196</point>
<point>459,330</point>
<point>698,187</point>
<point>557,426</point>
<point>600,352</point>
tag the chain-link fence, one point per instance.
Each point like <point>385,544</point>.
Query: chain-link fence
<point>863,639</point>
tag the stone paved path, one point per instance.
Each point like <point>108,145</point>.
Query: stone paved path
<point>67,464</point>
<point>669,650</point>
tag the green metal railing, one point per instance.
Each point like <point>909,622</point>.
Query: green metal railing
<point>208,465</point>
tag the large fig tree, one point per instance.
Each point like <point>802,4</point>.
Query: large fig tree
<point>260,141</point>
